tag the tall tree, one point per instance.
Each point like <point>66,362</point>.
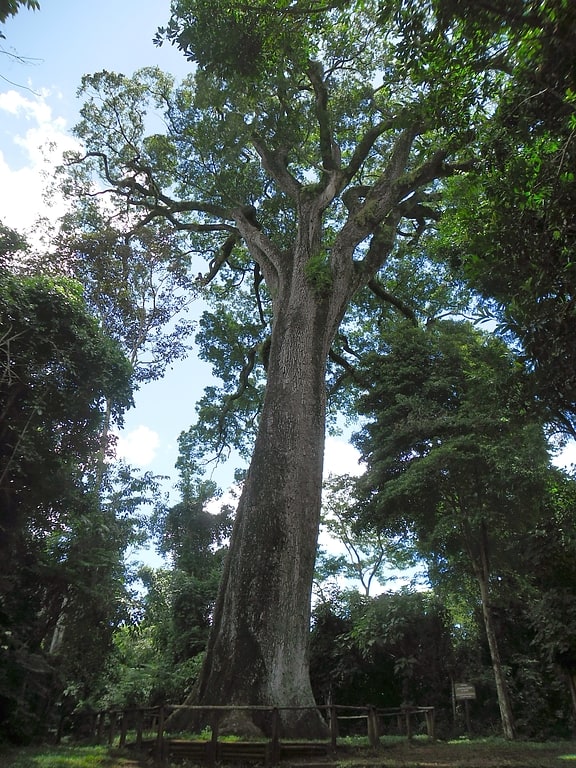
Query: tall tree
<point>456,455</point>
<point>510,225</point>
<point>57,370</point>
<point>368,553</point>
<point>304,145</point>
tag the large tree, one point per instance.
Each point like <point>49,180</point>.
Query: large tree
<point>510,225</point>
<point>62,544</point>
<point>457,455</point>
<point>307,142</point>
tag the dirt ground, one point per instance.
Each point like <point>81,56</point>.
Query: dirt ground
<point>465,754</point>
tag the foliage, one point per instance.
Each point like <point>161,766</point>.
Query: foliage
<point>58,369</point>
<point>368,553</point>
<point>11,7</point>
<point>195,539</point>
<point>391,649</point>
<point>451,432</point>
<point>138,282</point>
<point>63,544</point>
<point>509,228</point>
<point>157,656</point>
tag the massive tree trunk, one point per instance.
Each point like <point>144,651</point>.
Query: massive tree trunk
<point>257,652</point>
<point>258,648</point>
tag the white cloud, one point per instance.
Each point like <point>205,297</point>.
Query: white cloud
<point>138,446</point>
<point>341,458</point>
<point>38,139</point>
<point>35,109</point>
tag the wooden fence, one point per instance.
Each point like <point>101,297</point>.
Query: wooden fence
<point>144,729</point>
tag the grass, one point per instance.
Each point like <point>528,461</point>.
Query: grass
<point>63,757</point>
<point>393,753</point>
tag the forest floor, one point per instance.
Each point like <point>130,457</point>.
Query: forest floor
<point>489,753</point>
<point>480,753</point>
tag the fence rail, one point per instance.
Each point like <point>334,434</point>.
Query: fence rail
<point>144,728</point>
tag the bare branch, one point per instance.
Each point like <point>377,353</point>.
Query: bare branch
<point>364,147</point>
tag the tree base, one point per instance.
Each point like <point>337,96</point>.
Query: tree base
<point>257,723</point>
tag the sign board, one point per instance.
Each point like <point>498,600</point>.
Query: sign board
<point>464,691</point>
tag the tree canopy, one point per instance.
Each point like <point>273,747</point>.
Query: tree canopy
<point>11,7</point>
<point>63,537</point>
<point>509,227</point>
<point>333,178</point>
<point>308,149</point>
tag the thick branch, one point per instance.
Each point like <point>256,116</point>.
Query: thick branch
<point>329,151</point>
<point>221,258</point>
<point>347,373</point>
<point>364,147</point>
<point>378,290</point>
<point>152,199</point>
<point>275,163</point>
<point>269,258</point>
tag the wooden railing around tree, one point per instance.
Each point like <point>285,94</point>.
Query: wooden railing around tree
<point>144,729</point>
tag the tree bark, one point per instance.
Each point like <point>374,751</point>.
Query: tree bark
<point>257,652</point>
<point>504,704</point>
<point>258,648</point>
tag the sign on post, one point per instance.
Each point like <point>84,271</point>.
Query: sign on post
<point>464,691</point>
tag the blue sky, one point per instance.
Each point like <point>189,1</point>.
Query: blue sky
<point>44,56</point>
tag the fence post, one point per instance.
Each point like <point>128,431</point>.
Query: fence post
<point>160,736</point>
<point>273,753</point>
<point>408,717</point>
<point>373,733</point>
<point>212,746</point>
<point>430,723</point>
<point>333,717</point>
<point>123,729</point>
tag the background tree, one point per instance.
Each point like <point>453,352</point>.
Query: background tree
<point>391,650</point>
<point>510,227</point>
<point>305,167</point>
<point>58,369</point>
<point>137,282</point>
<point>195,539</point>
<point>455,454</point>
<point>368,552</point>
<point>158,655</point>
